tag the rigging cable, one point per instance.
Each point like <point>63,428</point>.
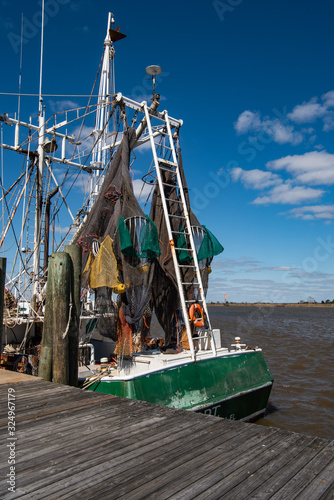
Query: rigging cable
<point>24,218</point>
<point>88,104</point>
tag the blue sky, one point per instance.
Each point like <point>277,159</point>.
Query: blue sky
<point>253,83</point>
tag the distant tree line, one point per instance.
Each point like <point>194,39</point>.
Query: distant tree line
<point>311,300</point>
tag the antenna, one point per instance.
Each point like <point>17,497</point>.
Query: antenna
<point>153,71</point>
<point>41,63</point>
<point>20,75</point>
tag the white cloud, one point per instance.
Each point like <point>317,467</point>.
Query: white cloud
<point>282,130</point>
<point>328,122</point>
<point>328,99</point>
<point>288,194</point>
<point>314,168</point>
<point>255,179</point>
<point>283,134</point>
<point>315,212</point>
<point>62,105</point>
<point>251,122</point>
<point>248,121</point>
<point>308,112</point>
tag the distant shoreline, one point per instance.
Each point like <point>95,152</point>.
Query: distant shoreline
<point>260,304</point>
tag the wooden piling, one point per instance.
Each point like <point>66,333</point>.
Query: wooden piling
<point>75,254</point>
<point>45,362</point>
<point>3,261</point>
<point>61,286</point>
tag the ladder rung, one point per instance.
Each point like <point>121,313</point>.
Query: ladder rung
<point>184,265</point>
<point>171,185</point>
<point>162,146</point>
<point>177,216</point>
<point>185,249</point>
<point>157,117</point>
<point>190,283</point>
<point>167,169</point>
<point>180,232</point>
<point>193,300</point>
<point>176,201</point>
<point>167,162</point>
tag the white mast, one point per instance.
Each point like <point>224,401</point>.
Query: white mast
<point>39,179</point>
<point>101,130</point>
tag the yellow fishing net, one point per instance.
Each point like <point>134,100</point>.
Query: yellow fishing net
<point>101,270</point>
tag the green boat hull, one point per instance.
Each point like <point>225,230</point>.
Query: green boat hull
<point>235,386</point>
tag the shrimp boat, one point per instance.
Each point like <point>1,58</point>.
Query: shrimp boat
<point>145,329</point>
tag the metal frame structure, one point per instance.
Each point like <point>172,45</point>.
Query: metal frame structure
<point>48,131</point>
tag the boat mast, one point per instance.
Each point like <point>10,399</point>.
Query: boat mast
<point>101,130</point>
<point>39,179</point>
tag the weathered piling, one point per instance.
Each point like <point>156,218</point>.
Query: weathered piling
<point>60,343</point>
<point>75,254</point>
<point>3,261</point>
<point>45,362</point>
<point>61,287</point>
<point>54,353</point>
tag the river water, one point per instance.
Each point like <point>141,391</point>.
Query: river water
<point>298,346</point>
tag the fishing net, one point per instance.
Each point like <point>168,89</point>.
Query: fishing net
<point>101,270</point>
<point>144,243</point>
<point>107,312</point>
<point>128,267</point>
<point>210,247</point>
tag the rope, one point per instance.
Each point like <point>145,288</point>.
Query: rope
<point>94,378</point>
<point>69,318</point>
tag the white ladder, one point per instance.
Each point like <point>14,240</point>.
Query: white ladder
<point>171,165</point>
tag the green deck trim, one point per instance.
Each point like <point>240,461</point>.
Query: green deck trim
<point>203,385</point>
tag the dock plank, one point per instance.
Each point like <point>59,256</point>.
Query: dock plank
<point>229,473</point>
<point>76,444</point>
<point>193,469</point>
<point>119,446</point>
<point>309,472</point>
<point>322,485</point>
<point>297,455</point>
<point>125,462</point>
<point>145,479</point>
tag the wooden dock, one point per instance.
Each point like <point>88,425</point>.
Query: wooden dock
<point>84,445</point>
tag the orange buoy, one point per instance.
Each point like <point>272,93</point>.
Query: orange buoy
<point>196,315</point>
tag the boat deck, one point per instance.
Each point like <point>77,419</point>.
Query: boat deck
<point>75,444</point>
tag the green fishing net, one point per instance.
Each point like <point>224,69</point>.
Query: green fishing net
<point>143,244</point>
<point>210,246</point>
